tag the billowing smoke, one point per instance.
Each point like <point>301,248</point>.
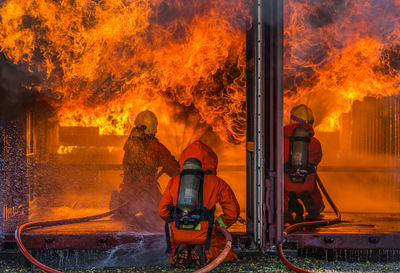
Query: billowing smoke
<point>16,89</point>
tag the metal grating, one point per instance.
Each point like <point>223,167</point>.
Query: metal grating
<point>373,126</point>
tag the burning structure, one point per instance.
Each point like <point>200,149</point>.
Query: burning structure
<point>342,59</point>
<point>98,65</point>
<point>225,72</point>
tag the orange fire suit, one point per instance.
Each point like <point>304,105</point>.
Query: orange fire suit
<point>144,155</point>
<point>308,189</point>
<point>215,190</point>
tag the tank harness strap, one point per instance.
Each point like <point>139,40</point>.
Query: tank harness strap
<point>204,213</point>
<point>294,174</point>
<point>209,231</point>
<point>167,235</point>
<point>168,238</point>
<point>194,172</point>
<point>200,196</point>
<point>300,138</point>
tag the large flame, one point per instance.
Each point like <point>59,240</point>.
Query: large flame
<point>337,52</point>
<point>102,62</point>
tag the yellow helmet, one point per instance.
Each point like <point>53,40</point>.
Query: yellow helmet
<point>301,114</point>
<point>149,120</point>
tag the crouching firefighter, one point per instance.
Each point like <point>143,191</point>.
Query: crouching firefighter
<point>188,207</point>
<point>302,153</point>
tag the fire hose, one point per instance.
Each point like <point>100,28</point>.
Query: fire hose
<point>43,224</point>
<point>220,258</point>
<point>206,268</point>
<point>312,224</point>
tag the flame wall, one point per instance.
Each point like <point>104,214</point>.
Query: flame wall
<point>102,62</point>
<point>99,63</point>
<point>337,52</point>
<point>342,58</point>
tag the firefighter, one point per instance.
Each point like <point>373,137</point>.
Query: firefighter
<point>188,206</point>
<point>302,153</point>
<point>144,156</point>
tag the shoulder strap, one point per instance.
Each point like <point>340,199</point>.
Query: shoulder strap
<point>205,214</point>
<point>168,238</point>
<point>201,201</point>
<point>171,209</point>
<point>194,172</point>
<point>209,212</point>
<point>209,231</point>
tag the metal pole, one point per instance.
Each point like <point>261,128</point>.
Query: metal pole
<point>273,143</point>
<point>1,174</point>
<point>258,120</point>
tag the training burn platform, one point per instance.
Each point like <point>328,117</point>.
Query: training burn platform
<point>356,231</point>
<point>101,235</point>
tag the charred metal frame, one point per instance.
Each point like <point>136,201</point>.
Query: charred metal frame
<point>1,173</point>
<point>265,124</point>
<point>268,90</point>
<point>255,129</point>
<point>273,56</point>
<point>250,185</point>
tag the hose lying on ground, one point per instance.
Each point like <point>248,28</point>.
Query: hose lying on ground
<point>313,224</point>
<point>31,225</point>
<point>228,245</point>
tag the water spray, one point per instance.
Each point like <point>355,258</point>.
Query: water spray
<point>43,224</point>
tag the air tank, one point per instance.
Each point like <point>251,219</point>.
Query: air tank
<point>189,186</point>
<point>301,140</point>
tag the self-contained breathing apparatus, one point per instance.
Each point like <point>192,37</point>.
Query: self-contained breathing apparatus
<point>136,146</point>
<point>189,210</point>
<point>298,165</point>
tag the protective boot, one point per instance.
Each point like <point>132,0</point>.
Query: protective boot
<point>296,207</point>
<point>313,213</point>
<point>288,218</point>
<point>198,257</point>
<point>182,256</point>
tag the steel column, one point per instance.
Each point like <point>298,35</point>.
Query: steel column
<point>1,174</point>
<point>273,121</point>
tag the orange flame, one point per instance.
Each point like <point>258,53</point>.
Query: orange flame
<point>337,52</point>
<point>103,62</point>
